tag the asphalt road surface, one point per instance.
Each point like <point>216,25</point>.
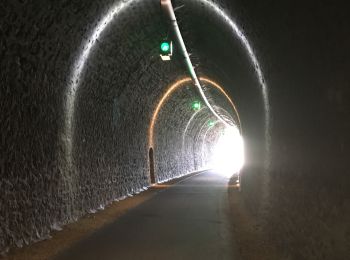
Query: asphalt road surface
<point>186,221</point>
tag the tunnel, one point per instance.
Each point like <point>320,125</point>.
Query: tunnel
<point>90,114</point>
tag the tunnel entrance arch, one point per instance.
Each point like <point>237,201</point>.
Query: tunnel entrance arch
<point>151,165</point>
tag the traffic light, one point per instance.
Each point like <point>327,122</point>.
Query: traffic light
<point>210,123</point>
<point>165,47</point>
<point>196,105</point>
<point>166,50</point>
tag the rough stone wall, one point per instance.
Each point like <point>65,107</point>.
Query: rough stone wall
<point>40,42</point>
<point>37,39</point>
<point>303,47</point>
<point>168,134</point>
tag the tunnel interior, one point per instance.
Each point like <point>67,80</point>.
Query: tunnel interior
<point>81,127</point>
<point>179,129</point>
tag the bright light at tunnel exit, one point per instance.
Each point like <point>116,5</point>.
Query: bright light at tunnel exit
<point>228,154</point>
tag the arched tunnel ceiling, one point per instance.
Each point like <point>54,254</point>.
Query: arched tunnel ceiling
<point>232,64</point>
<point>137,52</point>
<point>122,44</point>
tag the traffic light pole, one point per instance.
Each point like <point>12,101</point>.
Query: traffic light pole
<point>169,11</point>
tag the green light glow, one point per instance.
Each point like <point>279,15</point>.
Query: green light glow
<point>196,105</point>
<point>165,46</point>
<point>210,123</point>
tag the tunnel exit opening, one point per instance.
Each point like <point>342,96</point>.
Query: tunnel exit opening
<point>227,157</point>
<point>151,165</point>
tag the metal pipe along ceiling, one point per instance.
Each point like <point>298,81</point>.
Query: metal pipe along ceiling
<point>169,11</point>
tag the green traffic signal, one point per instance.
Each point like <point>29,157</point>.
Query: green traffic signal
<point>196,105</point>
<point>165,47</point>
<point>166,50</point>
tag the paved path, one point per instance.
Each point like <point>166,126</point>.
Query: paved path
<point>187,221</point>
